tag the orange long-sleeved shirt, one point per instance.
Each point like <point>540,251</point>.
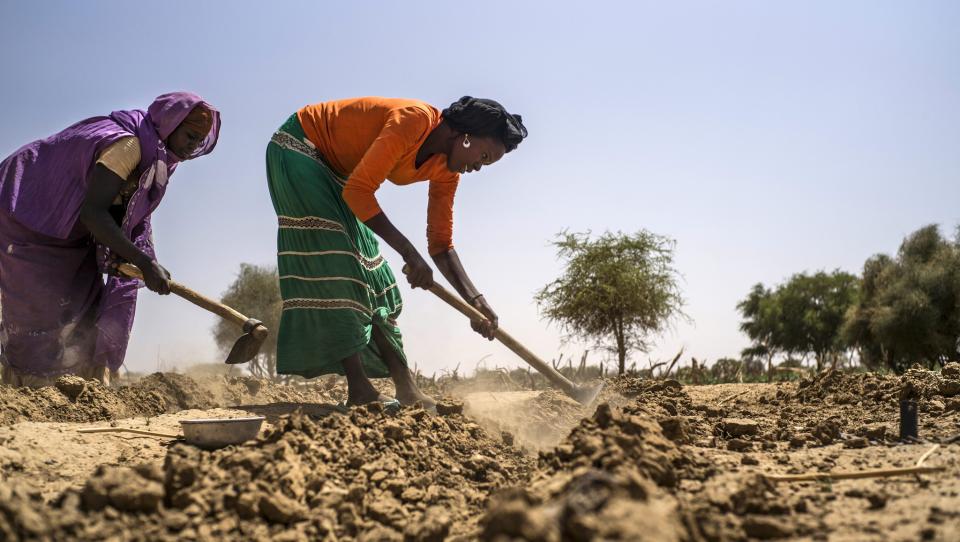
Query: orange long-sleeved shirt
<point>370,140</point>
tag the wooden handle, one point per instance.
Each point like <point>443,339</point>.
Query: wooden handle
<point>260,332</point>
<point>501,335</point>
<point>125,430</point>
<point>196,298</point>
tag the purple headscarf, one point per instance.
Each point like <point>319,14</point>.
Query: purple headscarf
<point>43,184</point>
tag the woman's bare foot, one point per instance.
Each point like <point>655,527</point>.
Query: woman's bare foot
<point>409,394</point>
<point>407,391</point>
<point>360,390</point>
<point>413,398</point>
<point>357,399</point>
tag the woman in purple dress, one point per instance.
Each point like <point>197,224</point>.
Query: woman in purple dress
<point>71,206</point>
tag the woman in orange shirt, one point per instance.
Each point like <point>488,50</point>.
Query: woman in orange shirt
<point>324,165</point>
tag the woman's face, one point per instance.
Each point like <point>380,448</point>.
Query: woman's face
<point>482,151</point>
<point>185,140</point>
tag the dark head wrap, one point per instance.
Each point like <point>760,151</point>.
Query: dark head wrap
<point>481,117</point>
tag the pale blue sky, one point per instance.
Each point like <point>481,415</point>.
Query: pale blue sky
<point>767,138</point>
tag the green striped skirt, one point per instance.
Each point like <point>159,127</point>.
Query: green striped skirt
<point>334,282</point>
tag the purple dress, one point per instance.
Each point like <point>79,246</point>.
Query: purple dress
<point>56,311</point>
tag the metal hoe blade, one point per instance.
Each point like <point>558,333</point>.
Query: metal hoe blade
<point>248,345</point>
<point>585,395</point>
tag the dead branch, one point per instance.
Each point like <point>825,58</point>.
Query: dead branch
<point>672,363</point>
<point>734,396</point>
<point>556,364</point>
<point>927,455</point>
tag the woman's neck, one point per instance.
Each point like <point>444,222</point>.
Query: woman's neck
<point>438,142</point>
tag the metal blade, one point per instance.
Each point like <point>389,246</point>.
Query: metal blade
<point>244,350</point>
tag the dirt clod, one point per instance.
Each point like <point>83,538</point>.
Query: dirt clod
<point>856,442</point>
<point>738,427</point>
<point>446,408</point>
<point>766,528</point>
<point>876,433</point>
<point>656,465</point>
<point>71,386</point>
<point>122,488</point>
<point>949,388</point>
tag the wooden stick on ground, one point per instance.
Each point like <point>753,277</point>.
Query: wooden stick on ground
<point>125,430</point>
<point>875,473</point>
<point>926,455</point>
<point>734,396</point>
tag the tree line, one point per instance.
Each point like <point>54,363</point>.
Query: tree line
<point>903,309</point>
<point>618,291</point>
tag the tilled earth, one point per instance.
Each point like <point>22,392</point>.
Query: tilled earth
<point>653,460</point>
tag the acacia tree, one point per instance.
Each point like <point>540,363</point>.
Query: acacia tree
<point>617,290</point>
<point>256,293</point>
<point>910,308</point>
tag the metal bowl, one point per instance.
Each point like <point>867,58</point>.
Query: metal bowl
<point>211,433</point>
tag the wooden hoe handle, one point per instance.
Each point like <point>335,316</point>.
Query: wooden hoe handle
<point>196,298</point>
<point>501,335</point>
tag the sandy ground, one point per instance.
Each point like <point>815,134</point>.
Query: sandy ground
<point>922,507</point>
<point>687,459</point>
<point>55,457</point>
